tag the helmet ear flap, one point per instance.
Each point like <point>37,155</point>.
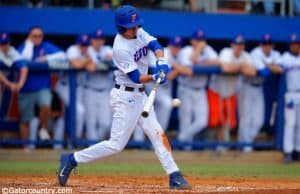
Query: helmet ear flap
<point>121,29</point>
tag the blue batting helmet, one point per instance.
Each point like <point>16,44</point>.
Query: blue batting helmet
<point>127,17</point>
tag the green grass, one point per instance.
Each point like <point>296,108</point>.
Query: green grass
<point>152,169</point>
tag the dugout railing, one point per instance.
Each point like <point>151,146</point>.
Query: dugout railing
<point>70,115</point>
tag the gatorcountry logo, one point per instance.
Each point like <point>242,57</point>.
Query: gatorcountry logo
<point>133,18</point>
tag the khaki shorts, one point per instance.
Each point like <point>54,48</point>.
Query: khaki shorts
<point>27,102</point>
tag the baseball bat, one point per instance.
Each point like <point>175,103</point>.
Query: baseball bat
<point>150,100</point>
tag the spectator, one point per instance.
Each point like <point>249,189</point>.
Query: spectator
<point>223,89</point>
<point>36,90</point>
<point>97,88</point>
<point>79,59</point>
<point>193,112</point>
<point>10,57</point>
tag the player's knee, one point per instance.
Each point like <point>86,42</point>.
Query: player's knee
<point>200,123</point>
<point>116,146</point>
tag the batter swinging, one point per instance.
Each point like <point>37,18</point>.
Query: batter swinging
<point>130,51</point>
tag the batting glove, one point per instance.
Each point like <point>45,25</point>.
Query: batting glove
<point>157,75</point>
<point>162,65</point>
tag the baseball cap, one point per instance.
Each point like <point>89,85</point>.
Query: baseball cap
<point>175,41</point>
<point>239,39</point>
<point>4,38</point>
<point>83,40</point>
<point>98,34</point>
<point>198,35</point>
<point>266,39</point>
<point>294,39</point>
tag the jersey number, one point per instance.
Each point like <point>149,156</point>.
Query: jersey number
<point>142,52</point>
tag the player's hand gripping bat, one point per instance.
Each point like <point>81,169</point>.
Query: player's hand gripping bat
<point>150,100</point>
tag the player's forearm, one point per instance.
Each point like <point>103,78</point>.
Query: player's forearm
<point>3,79</point>
<point>146,78</point>
<point>173,74</point>
<point>275,68</point>
<point>159,53</point>
<point>23,77</point>
<point>230,68</point>
<point>78,63</point>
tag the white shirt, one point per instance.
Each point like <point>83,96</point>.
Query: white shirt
<point>291,64</point>
<point>260,61</point>
<point>184,58</point>
<point>226,85</point>
<point>131,54</point>
<point>99,80</point>
<point>10,57</point>
<point>73,52</point>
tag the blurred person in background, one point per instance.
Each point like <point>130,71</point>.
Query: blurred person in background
<point>10,57</point>
<point>79,59</point>
<point>251,96</point>
<point>36,90</point>
<point>163,105</point>
<point>97,87</point>
<point>223,89</point>
<point>163,102</point>
<point>289,63</point>
<point>193,112</point>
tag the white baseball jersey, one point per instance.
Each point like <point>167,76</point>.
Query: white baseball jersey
<point>184,58</point>
<point>291,64</point>
<point>10,57</point>
<point>226,85</point>
<point>74,52</point>
<point>130,55</point>
<point>260,61</point>
<point>98,80</point>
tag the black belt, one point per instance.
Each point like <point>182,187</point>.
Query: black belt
<point>255,84</point>
<point>129,89</point>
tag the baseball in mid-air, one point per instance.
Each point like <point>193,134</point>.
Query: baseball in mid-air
<point>176,102</point>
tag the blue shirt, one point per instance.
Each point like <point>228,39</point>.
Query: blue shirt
<point>38,80</point>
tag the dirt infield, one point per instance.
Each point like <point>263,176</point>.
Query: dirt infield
<point>152,184</point>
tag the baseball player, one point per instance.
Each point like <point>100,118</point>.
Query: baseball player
<point>36,90</point>
<point>251,97</point>
<point>97,86</point>
<point>233,60</point>
<point>10,57</point>
<point>290,64</point>
<point>79,59</point>
<point>193,112</point>
<point>130,50</point>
